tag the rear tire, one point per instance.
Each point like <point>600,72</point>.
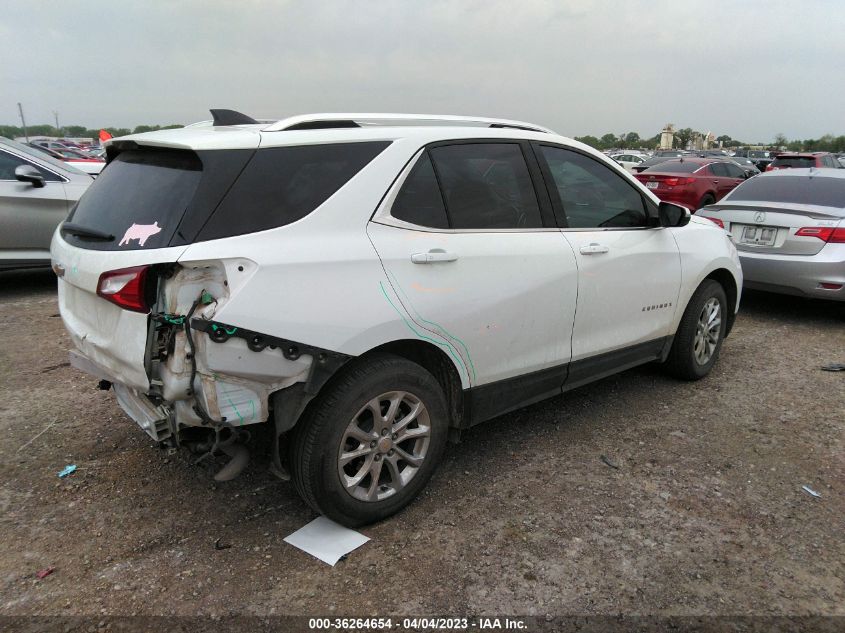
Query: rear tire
<point>700,333</point>
<point>348,456</point>
<point>707,199</point>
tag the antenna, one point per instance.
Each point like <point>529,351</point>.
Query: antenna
<point>20,109</point>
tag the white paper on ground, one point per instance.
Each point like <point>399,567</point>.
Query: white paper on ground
<point>326,540</point>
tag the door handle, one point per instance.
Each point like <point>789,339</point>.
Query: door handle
<point>432,256</point>
<point>593,249</point>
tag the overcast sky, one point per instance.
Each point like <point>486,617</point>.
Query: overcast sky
<point>746,68</point>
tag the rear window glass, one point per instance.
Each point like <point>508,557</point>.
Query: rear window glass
<point>794,161</point>
<point>139,199</point>
<point>675,167</point>
<point>281,185</point>
<point>818,190</point>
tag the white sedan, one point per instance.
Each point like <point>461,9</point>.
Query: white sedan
<point>628,161</point>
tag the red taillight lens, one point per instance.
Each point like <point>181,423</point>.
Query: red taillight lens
<point>674,182</point>
<point>824,233</point>
<point>125,287</point>
<point>715,221</point>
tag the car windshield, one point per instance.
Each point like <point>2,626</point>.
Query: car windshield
<point>816,190</point>
<point>675,167</point>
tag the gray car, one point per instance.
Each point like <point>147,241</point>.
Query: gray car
<point>789,230</point>
<point>36,194</point>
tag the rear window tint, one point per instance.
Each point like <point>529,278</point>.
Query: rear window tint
<point>818,190</point>
<point>795,161</point>
<point>675,167</point>
<point>486,186</point>
<point>139,199</point>
<point>281,185</point>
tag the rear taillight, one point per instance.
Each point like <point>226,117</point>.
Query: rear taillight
<point>674,182</point>
<point>715,221</point>
<point>125,287</point>
<point>824,233</point>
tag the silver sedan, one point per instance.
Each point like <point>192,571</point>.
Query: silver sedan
<point>36,194</point>
<point>789,230</point>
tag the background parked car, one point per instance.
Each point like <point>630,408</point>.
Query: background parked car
<point>76,158</point>
<point>760,158</point>
<point>36,193</point>
<point>628,161</point>
<point>789,160</point>
<point>651,162</point>
<point>747,165</point>
<point>789,229</point>
<point>692,182</point>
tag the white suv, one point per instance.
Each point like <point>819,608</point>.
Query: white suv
<point>372,285</point>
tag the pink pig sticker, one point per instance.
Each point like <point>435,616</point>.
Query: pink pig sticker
<point>140,232</point>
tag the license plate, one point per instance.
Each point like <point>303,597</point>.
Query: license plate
<point>651,184</point>
<point>759,235</point>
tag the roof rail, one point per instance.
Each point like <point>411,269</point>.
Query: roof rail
<point>346,120</point>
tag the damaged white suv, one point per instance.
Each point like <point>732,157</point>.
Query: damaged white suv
<point>373,284</point>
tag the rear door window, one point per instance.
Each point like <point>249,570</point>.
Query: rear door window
<point>486,186</point>
<point>719,169</point>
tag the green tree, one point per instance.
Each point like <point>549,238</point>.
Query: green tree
<point>683,137</point>
<point>632,140</point>
<point>592,141</point>
<point>780,140</point>
<point>651,143</point>
<point>11,131</point>
<point>607,141</point>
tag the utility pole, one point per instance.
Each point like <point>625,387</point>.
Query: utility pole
<point>20,109</point>
<point>56,115</point>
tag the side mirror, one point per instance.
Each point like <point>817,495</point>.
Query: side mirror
<point>28,173</point>
<point>673,214</point>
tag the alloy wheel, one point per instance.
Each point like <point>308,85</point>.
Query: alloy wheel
<point>384,446</point>
<point>707,331</point>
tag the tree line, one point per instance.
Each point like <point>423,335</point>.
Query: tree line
<point>632,140</point>
<point>78,131</point>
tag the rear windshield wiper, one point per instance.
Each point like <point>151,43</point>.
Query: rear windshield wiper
<point>85,231</point>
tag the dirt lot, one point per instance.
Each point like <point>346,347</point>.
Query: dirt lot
<point>704,515</point>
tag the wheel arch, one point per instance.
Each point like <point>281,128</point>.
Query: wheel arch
<point>291,405</point>
<point>725,279</point>
<point>434,360</point>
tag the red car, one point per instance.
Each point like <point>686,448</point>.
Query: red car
<point>692,182</point>
<point>805,160</point>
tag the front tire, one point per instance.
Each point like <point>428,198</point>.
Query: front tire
<point>700,333</point>
<point>371,442</point>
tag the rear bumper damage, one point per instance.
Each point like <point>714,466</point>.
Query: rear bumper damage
<point>185,377</point>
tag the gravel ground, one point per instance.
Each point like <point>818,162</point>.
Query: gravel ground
<point>704,513</point>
